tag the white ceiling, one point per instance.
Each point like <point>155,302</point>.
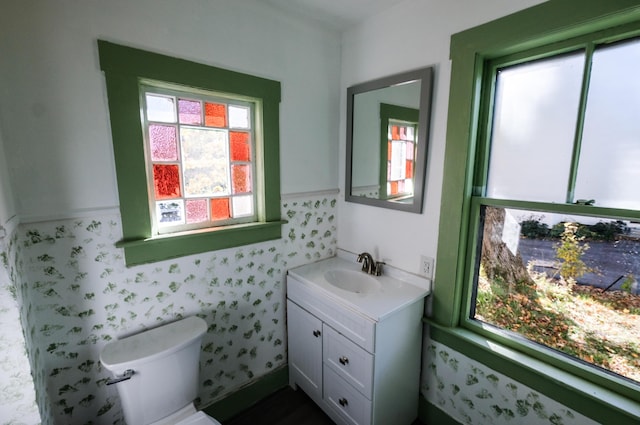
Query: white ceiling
<point>337,14</point>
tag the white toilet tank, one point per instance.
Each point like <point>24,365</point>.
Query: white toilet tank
<point>165,363</point>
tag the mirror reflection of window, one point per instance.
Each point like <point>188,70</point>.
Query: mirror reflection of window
<point>399,144</point>
<point>386,167</point>
<point>401,148</point>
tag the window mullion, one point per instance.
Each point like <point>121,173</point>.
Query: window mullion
<point>481,165</point>
<point>582,105</point>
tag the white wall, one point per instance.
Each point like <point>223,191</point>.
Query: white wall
<point>52,97</point>
<point>413,34</point>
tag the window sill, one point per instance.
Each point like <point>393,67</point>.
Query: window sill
<point>164,247</point>
<point>590,399</point>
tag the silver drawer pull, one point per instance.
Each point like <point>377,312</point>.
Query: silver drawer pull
<point>126,375</point>
<point>317,333</point>
<point>344,360</point>
<point>343,402</point>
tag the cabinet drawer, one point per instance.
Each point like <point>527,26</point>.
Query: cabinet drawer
<point>341,397</point>
<point>350,324</point>
<point>348,360</point>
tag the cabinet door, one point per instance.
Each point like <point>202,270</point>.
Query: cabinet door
<point>305,350</point>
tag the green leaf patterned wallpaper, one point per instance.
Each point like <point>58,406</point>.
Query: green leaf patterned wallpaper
<point>473,394</point>
<point>17,394</point>
<point>77,295</point>
<point>69,285</point>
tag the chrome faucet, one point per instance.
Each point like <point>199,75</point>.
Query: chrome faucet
<point>369,265</point>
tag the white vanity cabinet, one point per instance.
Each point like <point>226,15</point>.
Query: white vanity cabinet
<point>305,349</point>
<point>359,370</point>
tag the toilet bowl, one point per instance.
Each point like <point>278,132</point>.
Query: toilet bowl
<point>156,374</point>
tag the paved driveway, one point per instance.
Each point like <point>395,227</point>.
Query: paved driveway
<point>611,259</point>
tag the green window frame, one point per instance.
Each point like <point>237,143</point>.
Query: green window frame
<point>553,27</point>
<point>125,68</point>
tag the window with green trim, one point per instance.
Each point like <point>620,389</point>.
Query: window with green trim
<point>555,209</point>
<point>197,154</point>
<point>198,150</point>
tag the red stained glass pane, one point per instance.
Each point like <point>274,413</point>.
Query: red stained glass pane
<point>163,141</point>
<point>240,150</point>
<point>394,188</point>
<point>215,115</point>
<point>190,111</point>
<point>197,210</point>
<point>394,132</point>
<point>409,169</point>
<point>220,209</point>
<point>241,176</point>
<point>166,180</point>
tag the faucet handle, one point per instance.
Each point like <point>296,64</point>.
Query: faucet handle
<point>377,267</point>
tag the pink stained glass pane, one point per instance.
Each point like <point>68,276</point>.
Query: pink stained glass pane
<point>241,177</point>
<point>190,111</point>
<point>220,209</point>
<point>163,140</point>
<point>410,149</point>
<point>240,148</point>
<point>166,181</point>
<point>197,210</point>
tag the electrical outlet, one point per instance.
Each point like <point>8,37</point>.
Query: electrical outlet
<point>426,266</point>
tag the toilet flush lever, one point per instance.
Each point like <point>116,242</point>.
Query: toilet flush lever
<point>126,375</point>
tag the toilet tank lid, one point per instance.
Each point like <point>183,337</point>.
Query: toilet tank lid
<point>154,342</point>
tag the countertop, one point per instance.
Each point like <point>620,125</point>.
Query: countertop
<point>397,288</point>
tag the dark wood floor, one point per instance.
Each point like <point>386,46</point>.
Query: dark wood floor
<point>285,407</point>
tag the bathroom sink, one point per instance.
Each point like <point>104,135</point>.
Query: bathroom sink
<point>352,281</point>
<point>342,279</point>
